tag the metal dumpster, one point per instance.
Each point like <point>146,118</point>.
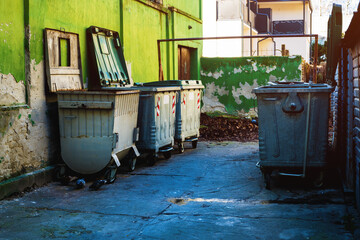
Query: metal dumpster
<point>293,126</point>
<point>187,123</point>
<point>156,120</point>
<point>98,128</point>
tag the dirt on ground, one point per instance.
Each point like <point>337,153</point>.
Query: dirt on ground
<point>220,128</point>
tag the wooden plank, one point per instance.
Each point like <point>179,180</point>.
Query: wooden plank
<point>356,112</point>
<point>357,122</point>
<point>85,105</point>
<point>357,153</point>
<point>357,142</point>
<point>356,72</point>
<point>356,82</point>
<point>356,131</point>
<point>64,71</point>
<point>355,62</point>
<point>356,93</point>
<point>356,102</point>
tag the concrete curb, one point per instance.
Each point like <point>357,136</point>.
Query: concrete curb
<point>20,183</point>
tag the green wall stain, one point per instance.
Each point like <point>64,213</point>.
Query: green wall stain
<point>31,121</point>
<point>235,75</point>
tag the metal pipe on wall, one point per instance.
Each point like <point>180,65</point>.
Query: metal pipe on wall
<point>161,75</point>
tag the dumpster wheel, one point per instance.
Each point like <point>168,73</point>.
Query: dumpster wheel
<point>181,147</point>
<point>194,143</point>
<point>167,154</point>
<point>110,174</point>
<point>267,177</point>
<point>318,182</point>
<point>151,159</point>
<point>131,163</point>
<point>60,172</point>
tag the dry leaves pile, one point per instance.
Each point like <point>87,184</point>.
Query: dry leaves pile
<point>227,129</point>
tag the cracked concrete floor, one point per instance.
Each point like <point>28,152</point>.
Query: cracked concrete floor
<point>212,192</point>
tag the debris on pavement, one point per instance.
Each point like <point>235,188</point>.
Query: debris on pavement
<point>226,128</point>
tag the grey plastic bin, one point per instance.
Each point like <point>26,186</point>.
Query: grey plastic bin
<point>293,127</point>
<point>187,123</point>
<point>96,127</point>
<point>156,121</point>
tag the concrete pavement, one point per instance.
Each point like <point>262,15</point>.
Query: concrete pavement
<point>212,192</point>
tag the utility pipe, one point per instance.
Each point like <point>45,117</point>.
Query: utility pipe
<point>161,76</point>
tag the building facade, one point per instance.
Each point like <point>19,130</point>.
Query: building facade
<point>255,17</point>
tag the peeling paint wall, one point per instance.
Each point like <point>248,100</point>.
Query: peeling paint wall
<point>229,81</point>
<point>28,135</point>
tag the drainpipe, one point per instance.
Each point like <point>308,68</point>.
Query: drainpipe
<point>311,12</point>
<point>304,16</point>
<point>274,46</point>
<point>27,51</point>
<point>250,23</point>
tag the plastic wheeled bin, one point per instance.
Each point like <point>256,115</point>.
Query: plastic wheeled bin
<point>293,128</point>
<point>98,128</point>
<point>156,120</point>
<point>187,123</point>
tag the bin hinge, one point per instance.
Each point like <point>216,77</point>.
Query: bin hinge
<point>115,139</point>
<point>136,135</point>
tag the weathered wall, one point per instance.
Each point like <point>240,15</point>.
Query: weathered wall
<point>24,144</point>
<point>145,23</point>
<point>28,113</point>
<point>229,81</point>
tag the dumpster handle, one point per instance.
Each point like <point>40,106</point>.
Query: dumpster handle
<point>307,133</point>
<point>306,142</point>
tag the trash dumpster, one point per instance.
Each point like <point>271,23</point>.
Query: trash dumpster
<point>98,129</point>
<point>187,123</point>
<point>293,126</point>
<point>156,120</point>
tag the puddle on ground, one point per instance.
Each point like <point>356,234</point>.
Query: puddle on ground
<point>184,201</point>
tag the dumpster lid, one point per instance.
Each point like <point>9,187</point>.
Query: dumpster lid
<point>62,60</point>
<point>107,67</point>
<point>279,87</point>
<point>121,91</point>
<point>144,88</point>
<point>184,84</point>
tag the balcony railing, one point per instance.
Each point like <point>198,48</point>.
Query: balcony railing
<point>288,27</point>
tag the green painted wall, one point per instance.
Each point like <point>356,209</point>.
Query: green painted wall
<point>12,38</point>
<point>139,24</point>
<point>144,25</point>
<point>192,7</point>
<point>229,81</point>
<point>73,16</point>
